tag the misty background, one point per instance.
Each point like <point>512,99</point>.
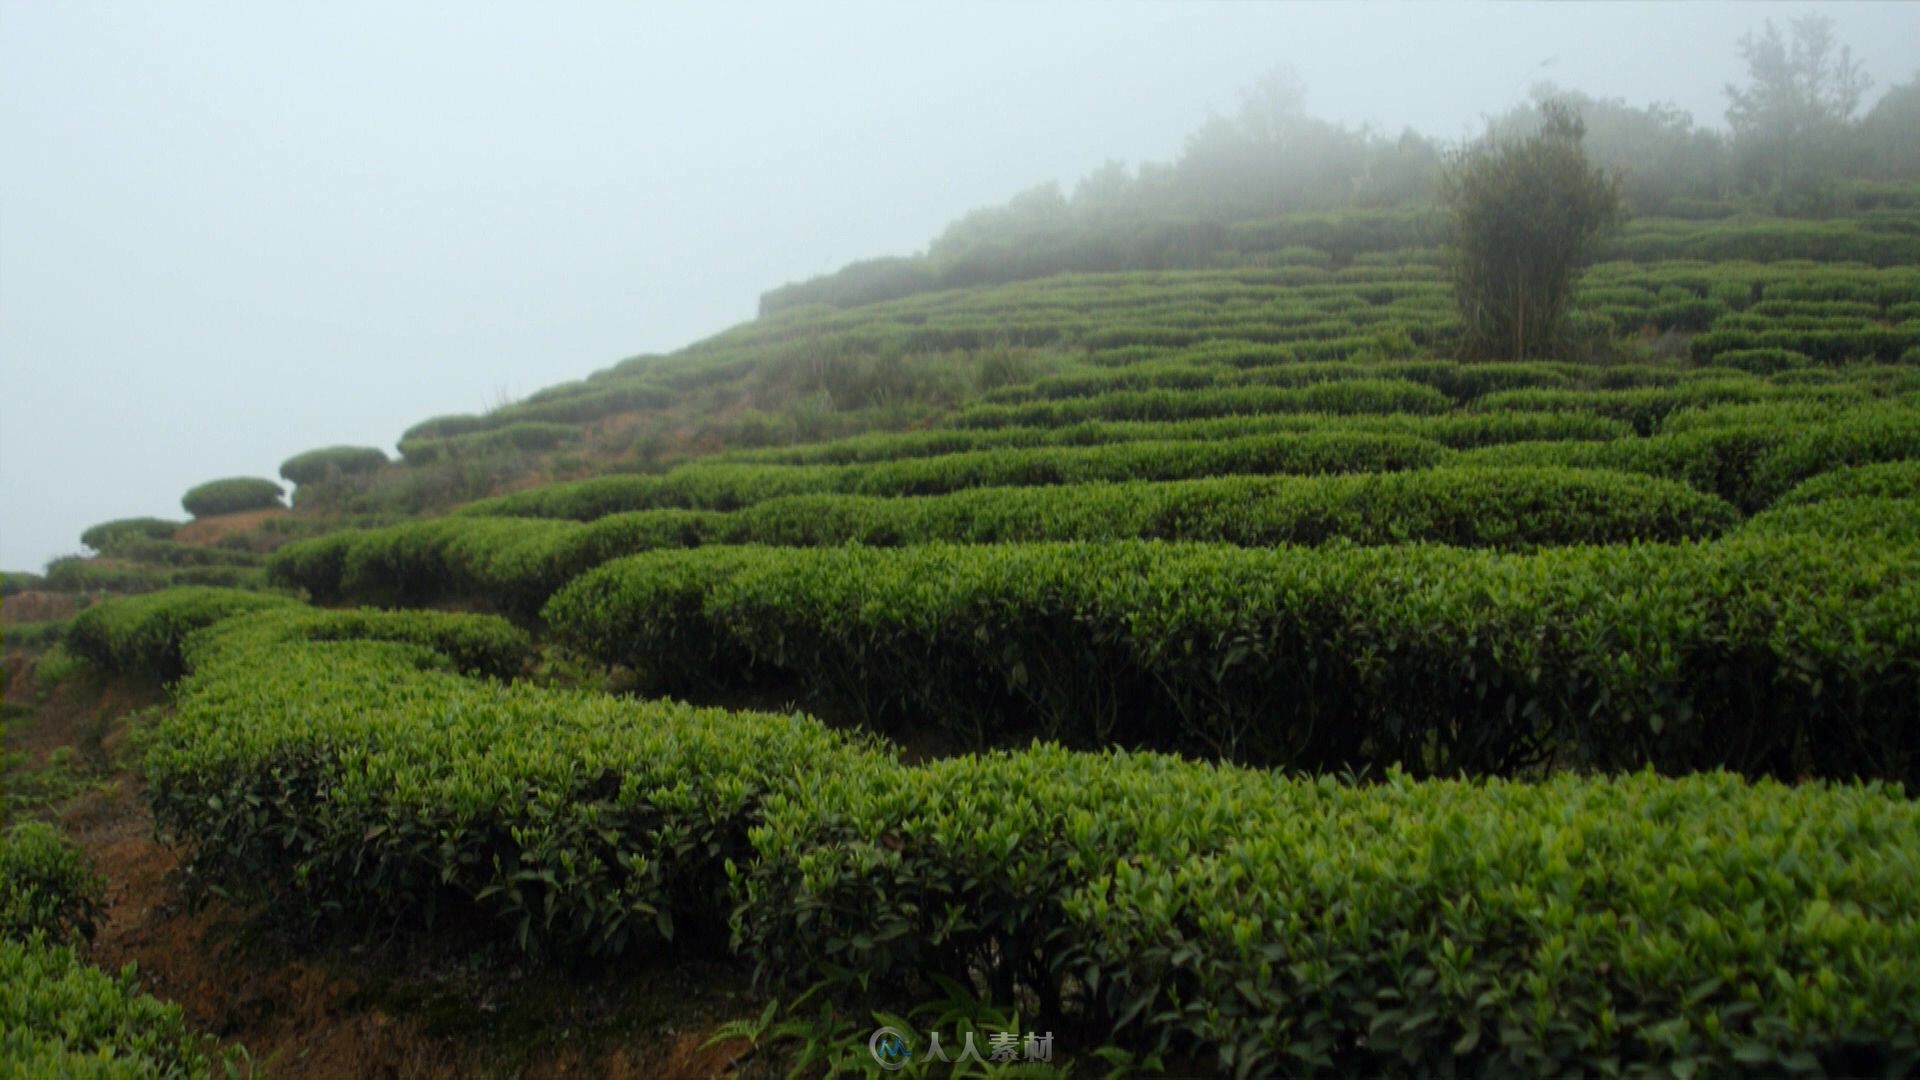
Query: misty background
<point>230,233</point>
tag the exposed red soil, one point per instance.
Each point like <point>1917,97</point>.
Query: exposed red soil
<point>37,606</point>
<point>212,530</point>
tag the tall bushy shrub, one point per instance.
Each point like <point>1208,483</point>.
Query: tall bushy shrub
<point>1526,213</point>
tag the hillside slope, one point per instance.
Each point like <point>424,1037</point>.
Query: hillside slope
<point>1200,664</point>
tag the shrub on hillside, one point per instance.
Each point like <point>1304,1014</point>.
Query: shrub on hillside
<point>1767,361</point>
<point>108,535</point>
<point>47,887</point>
<point>143,635</point>
<point>60,1016</point>
<point>332,462</point>
<point>524,436</point>
<point>233,495</point>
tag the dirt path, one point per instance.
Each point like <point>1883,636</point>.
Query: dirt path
<point>343,1010</point>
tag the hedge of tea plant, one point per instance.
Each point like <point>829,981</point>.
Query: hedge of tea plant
<point>1258,922</point>
<point>522,436</point>
<point>147,635</point>
<point>1356,396</point>
<point>1748,465</point>
<point>517,563</point>
<point>1456,430</point>
<point>60,1016</point>
<point>365,780</point>
<point>47,887</point>
<point>113,575</point>
<point>1263,924</point>
<point>1881,520</point>
<point>233,495</point>
<point>331,463</point>
<point>1886,480</point>
<point>1779,655</point>
<point>722,486</point>
<point>142,635</point>
<point>108,535</point>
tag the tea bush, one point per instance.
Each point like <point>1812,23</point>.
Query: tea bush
<point>108,535</point>
<point>331,463</point>
<point>518,563</point>
<point>1775,655</point>
<point>233,495</point>
<point>47,887</point>
<point>60,1016</point>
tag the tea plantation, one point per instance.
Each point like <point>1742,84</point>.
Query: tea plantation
<point>1202,661</point>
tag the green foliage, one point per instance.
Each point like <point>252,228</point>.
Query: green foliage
<point>1887,480</point>
<point>1526,214</point>
<point>331,463</point>
<point>1176,903</point>
<point>33,635</point>
<point>1769,655</point>
<point>61,1017</point>
<point>107,536</point>
<point>150,635</point>
<point>233,495</point>
<point>1280,925</point>
<point>523,436</point>
<point>143,635</point>
<point>568,821</point>
<point>1762,239</point>
<point>1767,361</point>
<point>1339,397</point>
<point>1480,428</point>
<point>47,887</point>
<point>19,581</point>
<point>519,563</point>
<point>1862,518</point>
<point>722,486</point>
<point>172,553</point>
<point>1747,464</point>
<point>204,566</point>
<point>1861,341</point>
<point>478,645</point>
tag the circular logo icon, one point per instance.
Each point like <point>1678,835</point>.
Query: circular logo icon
<point>890,1049</point>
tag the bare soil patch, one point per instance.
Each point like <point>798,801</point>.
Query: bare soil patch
<point>37,606</point>
<point>212,530</point>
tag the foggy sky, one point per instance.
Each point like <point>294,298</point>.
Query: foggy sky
<point>233,232</point>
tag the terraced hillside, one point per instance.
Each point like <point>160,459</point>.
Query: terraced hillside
<point>1200,662</point>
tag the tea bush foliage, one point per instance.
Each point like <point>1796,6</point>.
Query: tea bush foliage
<point>60,1016</point>
<point>1773,655</point>
<point>48,888</point>
<point>331,463</point>
<point>518,563</point>
<point>108,535</point>
<point>1259,921</point>
<point>233,495</point>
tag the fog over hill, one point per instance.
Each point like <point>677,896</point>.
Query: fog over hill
<point>229,232</point>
